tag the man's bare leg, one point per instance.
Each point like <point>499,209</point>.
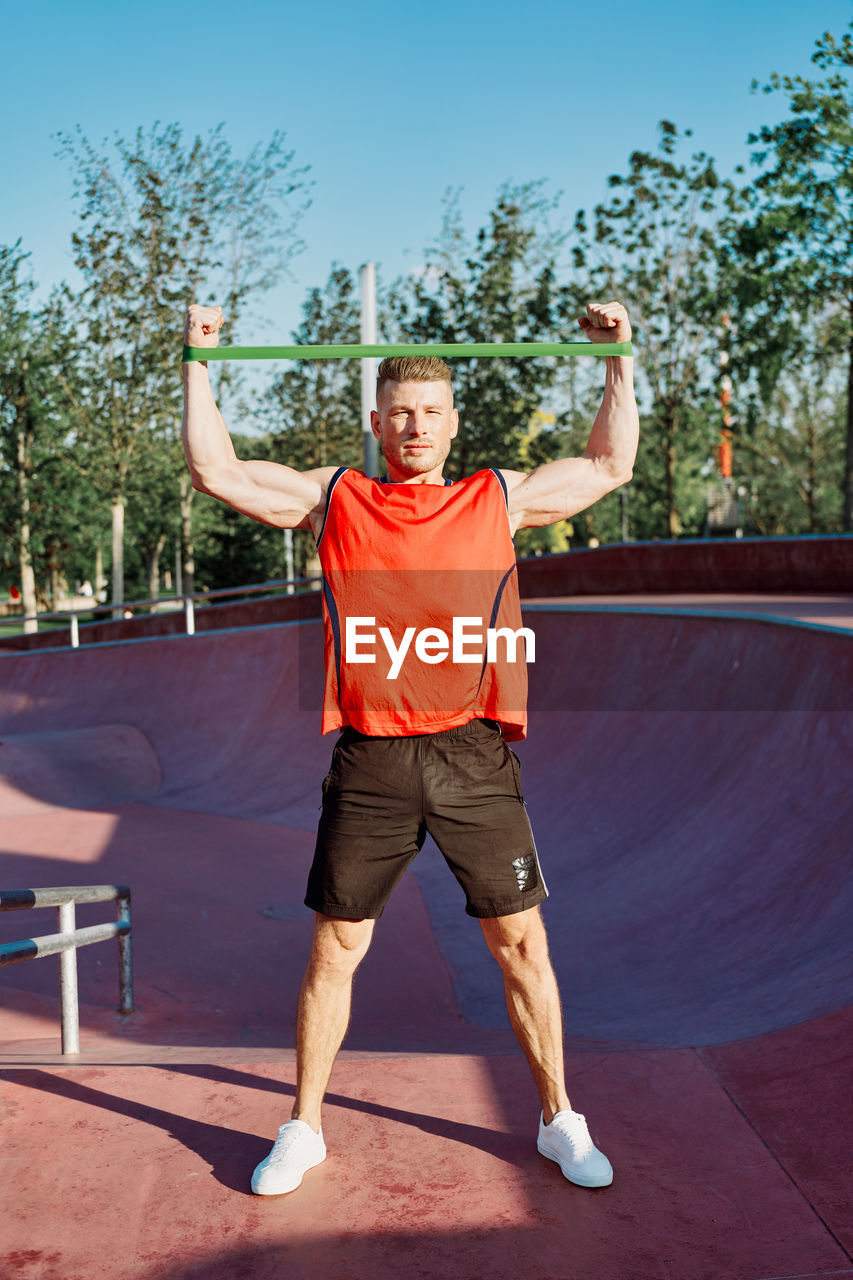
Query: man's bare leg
<point>520,946</point>
<point>337,949</point>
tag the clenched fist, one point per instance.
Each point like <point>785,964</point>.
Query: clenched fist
<point>203,325</point>
<point>606,322</point>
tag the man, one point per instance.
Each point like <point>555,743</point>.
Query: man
<point>423,746</point>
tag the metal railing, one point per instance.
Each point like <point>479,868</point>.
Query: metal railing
<point>69,938</point>
<point>166,604</point>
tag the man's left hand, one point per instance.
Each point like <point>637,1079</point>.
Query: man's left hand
<point>606,322</point>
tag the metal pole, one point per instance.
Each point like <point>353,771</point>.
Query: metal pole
<point>189,614</point>
<point>75,632</point>
<point>368,367</point>
<point>288,560</point>
<point>117,570</point>
<point>125,958</point>
<point>67,914</point>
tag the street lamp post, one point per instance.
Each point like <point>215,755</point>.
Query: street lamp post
<point>368,367</point>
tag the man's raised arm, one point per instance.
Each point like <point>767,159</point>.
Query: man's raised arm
<point>557,490</point>
<point>266,491</point>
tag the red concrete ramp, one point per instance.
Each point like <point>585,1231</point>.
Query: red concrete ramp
<point>693,819</point>
<point>687,778</point>
<point>688,782</point>
<point>233,716</point>
<point>76,768</point>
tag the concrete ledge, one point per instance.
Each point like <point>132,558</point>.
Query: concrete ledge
<point>809,564</point>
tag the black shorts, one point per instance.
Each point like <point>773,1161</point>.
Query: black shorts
<point>382,796</point>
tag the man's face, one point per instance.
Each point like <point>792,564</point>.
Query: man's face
<point>414,423</point>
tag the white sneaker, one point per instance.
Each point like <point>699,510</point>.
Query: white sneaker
<point>566,1140</point>
<point>297,1149</point>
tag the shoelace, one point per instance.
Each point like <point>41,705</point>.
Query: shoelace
<point>287,1139</point>
<point>574,1128</point>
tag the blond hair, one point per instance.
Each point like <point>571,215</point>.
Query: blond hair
<point>411,369</point>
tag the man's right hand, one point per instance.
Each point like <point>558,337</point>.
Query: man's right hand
<point>202,326</point>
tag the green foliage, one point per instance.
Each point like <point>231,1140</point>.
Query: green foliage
<point>48,511</point>
<point>15,347</point>
<point>313,409</point>
<point>161,223</point>
<point>312,412</point>
<point>794,443</point>
<point>803,197</point>
<point>500,288</point>
<point>790,260</point>
<point>654,247</point>
<point>232,550</point>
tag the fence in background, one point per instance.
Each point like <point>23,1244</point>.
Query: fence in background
<point>130,609</point>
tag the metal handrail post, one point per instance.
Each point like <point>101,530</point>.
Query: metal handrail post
<point>125,957</point>
<point>187,602</point>
<point>68,939</point>
<point>67,914</point>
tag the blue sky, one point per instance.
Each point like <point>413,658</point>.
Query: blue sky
<point>390,105</point>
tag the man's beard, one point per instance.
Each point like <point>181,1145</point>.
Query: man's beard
<point>418,461</point>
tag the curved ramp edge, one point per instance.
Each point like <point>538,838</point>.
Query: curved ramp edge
<point>76,768</point>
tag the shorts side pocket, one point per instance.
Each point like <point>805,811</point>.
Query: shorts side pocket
<point>515,765</point>
<point>331,777</point>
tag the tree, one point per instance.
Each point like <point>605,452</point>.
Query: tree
<point>42,501</point>
<point>654,246</point>
<point>161,223</point>
<point>312,411</point>
<point>793,437</point>
<point>500,288</point>
<point>798,236</point>
<point>19,413</point>
<point>231,549</point>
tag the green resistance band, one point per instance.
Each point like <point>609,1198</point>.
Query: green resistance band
<point>459,349</point>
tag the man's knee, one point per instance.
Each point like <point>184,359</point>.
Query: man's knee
<point>518,941</point>
<point>339,946</point>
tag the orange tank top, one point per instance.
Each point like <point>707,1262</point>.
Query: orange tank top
<point>422,618</point>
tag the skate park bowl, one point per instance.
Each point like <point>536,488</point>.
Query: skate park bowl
<point>687,773</point>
